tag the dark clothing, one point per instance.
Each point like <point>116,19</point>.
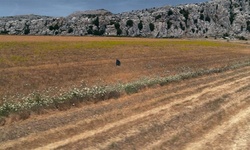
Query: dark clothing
<point>118,62</point>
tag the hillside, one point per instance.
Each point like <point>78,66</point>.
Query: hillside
<point>216,18</point>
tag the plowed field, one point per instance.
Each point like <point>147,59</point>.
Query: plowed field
<point>209,112</point>
<point>206,112</point>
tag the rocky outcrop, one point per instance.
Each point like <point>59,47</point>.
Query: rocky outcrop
<point>216,18</point>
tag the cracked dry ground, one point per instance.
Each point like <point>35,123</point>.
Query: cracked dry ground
<point>209,112</point>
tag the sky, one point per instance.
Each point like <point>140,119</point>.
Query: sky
<point>62,8</point>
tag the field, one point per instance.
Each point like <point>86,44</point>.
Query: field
<point>173,93</point>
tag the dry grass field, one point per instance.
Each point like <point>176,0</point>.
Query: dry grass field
<point>38,63</point>
<point>205,106</point>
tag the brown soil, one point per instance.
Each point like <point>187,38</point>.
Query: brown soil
<point>64,68</point>
<point>209,112</point>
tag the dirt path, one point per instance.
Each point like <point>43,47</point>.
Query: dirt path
<point>221,130</point>
<point>202,113</point>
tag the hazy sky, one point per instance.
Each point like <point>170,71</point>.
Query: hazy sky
<point>65,7</point>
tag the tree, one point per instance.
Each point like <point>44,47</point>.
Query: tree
<point>182,27</point>
<point>152,27</point>
<point>201,17</point>
<point>55,27</point>
<point>158,17</point>
<point>4,32</point>
<point>207,19</point>
<point>96,22</point>
<point>185,13</point>
<point>130,23</point>
<point>248,26</point>
<point>70,30</point>
<point>170,12</point>
<point>232,17</point>
<point>117,26</point>
<point>98,32</point>
<point>193,30</point>
<point>140,25</point>
<point>195,21</point>
<point>51,28</point>
<point>169,24</point>
<point>119,31</point>
<point>26,31</point>
<point>90,30</point>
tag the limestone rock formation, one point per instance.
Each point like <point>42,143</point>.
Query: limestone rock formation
<point>215,18</point>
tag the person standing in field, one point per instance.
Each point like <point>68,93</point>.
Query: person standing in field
<point>118,62</point>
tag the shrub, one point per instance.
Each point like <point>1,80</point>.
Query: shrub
<point>102,31</point>
<point>96,32</point>
<point>248,26</point>
<point>51,28</point>
<point>151,27</point>
<point>193,30</point>
<point>55,27</point>
<point>225,35</point>
<point>169,24</point>
<point>232,17</point>
<point>195,21</point>
<point>70,30</point>
<point>90,31</point>
<point>185,13</point>
<point>91,16</point>
<point>158,17</point>
<point>182,27</point>
<point>130,23</point>
<point>4,32</point>
<point>131,89</point>
<point>170,12</point>
<point>201,17</point>
<point>242,38</point>
<point>113,94</point>
<point>26,31</point>
<point>24,114</point>
<point>111,22</point>
<point>208,19</point>
<point>202,11</point>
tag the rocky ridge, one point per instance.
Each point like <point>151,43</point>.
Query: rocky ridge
<point>216,18</point>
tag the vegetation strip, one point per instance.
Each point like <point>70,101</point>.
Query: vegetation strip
<point>36,101</point>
